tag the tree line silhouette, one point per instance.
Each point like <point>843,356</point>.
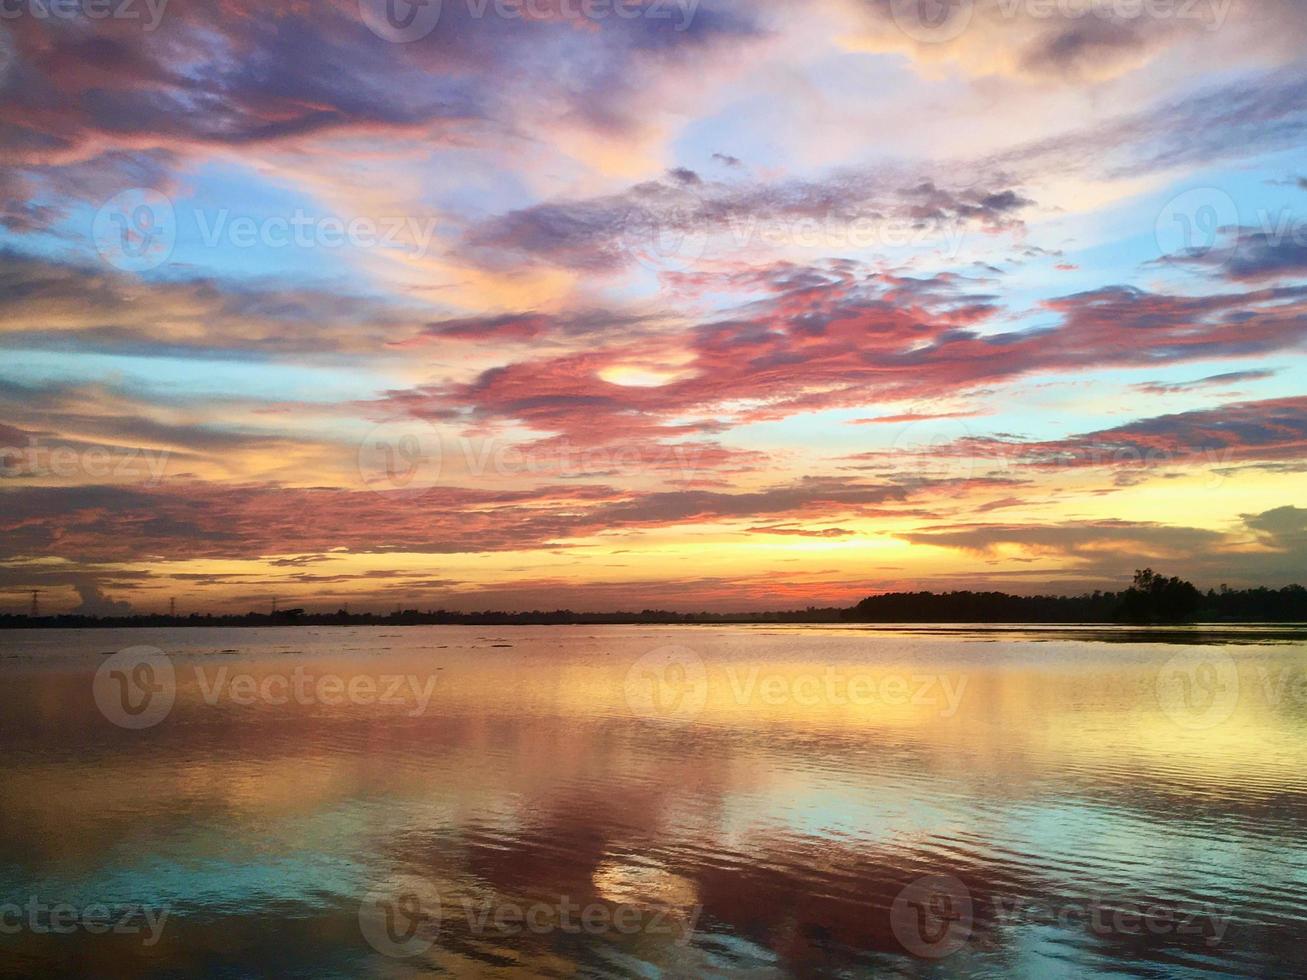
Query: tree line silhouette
<point>1152,598</point>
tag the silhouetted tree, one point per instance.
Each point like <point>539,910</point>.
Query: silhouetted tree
<point>1155,598</point>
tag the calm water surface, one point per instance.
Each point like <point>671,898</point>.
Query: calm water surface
<point>654,801</point>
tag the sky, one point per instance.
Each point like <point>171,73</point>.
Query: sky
<point>681,304</point>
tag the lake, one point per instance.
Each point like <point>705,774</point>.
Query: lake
<point>632,801</point>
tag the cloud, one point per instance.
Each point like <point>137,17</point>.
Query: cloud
<point>606,284</point>
<point>1225,379</point>
<point>1110,550</point>
<point>96,603</point>
<point>229,73</point>
<point>1241,118</point>
<point>61,306</point>
<point>525,326</point>
<point>695,218</point>
<point>1270,430</point>
<point>1074,43</point>
<point>1269,434</point>
<point>704,221</point>
<point>234,73</point>
<point>189,520</point>
<point>1283,528</point>
<point>803,532</point>
<point>912,417</point>
<point>829,338</point>
<point>1077,539</point>
<point>1255,255</point>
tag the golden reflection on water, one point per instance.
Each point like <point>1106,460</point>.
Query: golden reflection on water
<point>777,789</point>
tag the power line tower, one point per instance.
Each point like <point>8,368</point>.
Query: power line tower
<point>172,606</point>
<point>36,603</point>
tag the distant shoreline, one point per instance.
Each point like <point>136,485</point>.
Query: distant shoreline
<point>1227,607</point>
<point>905,626</point>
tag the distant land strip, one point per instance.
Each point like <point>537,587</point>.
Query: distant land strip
<point>1153,599</point>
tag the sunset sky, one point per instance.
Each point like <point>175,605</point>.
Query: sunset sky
<point>736,304</point>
